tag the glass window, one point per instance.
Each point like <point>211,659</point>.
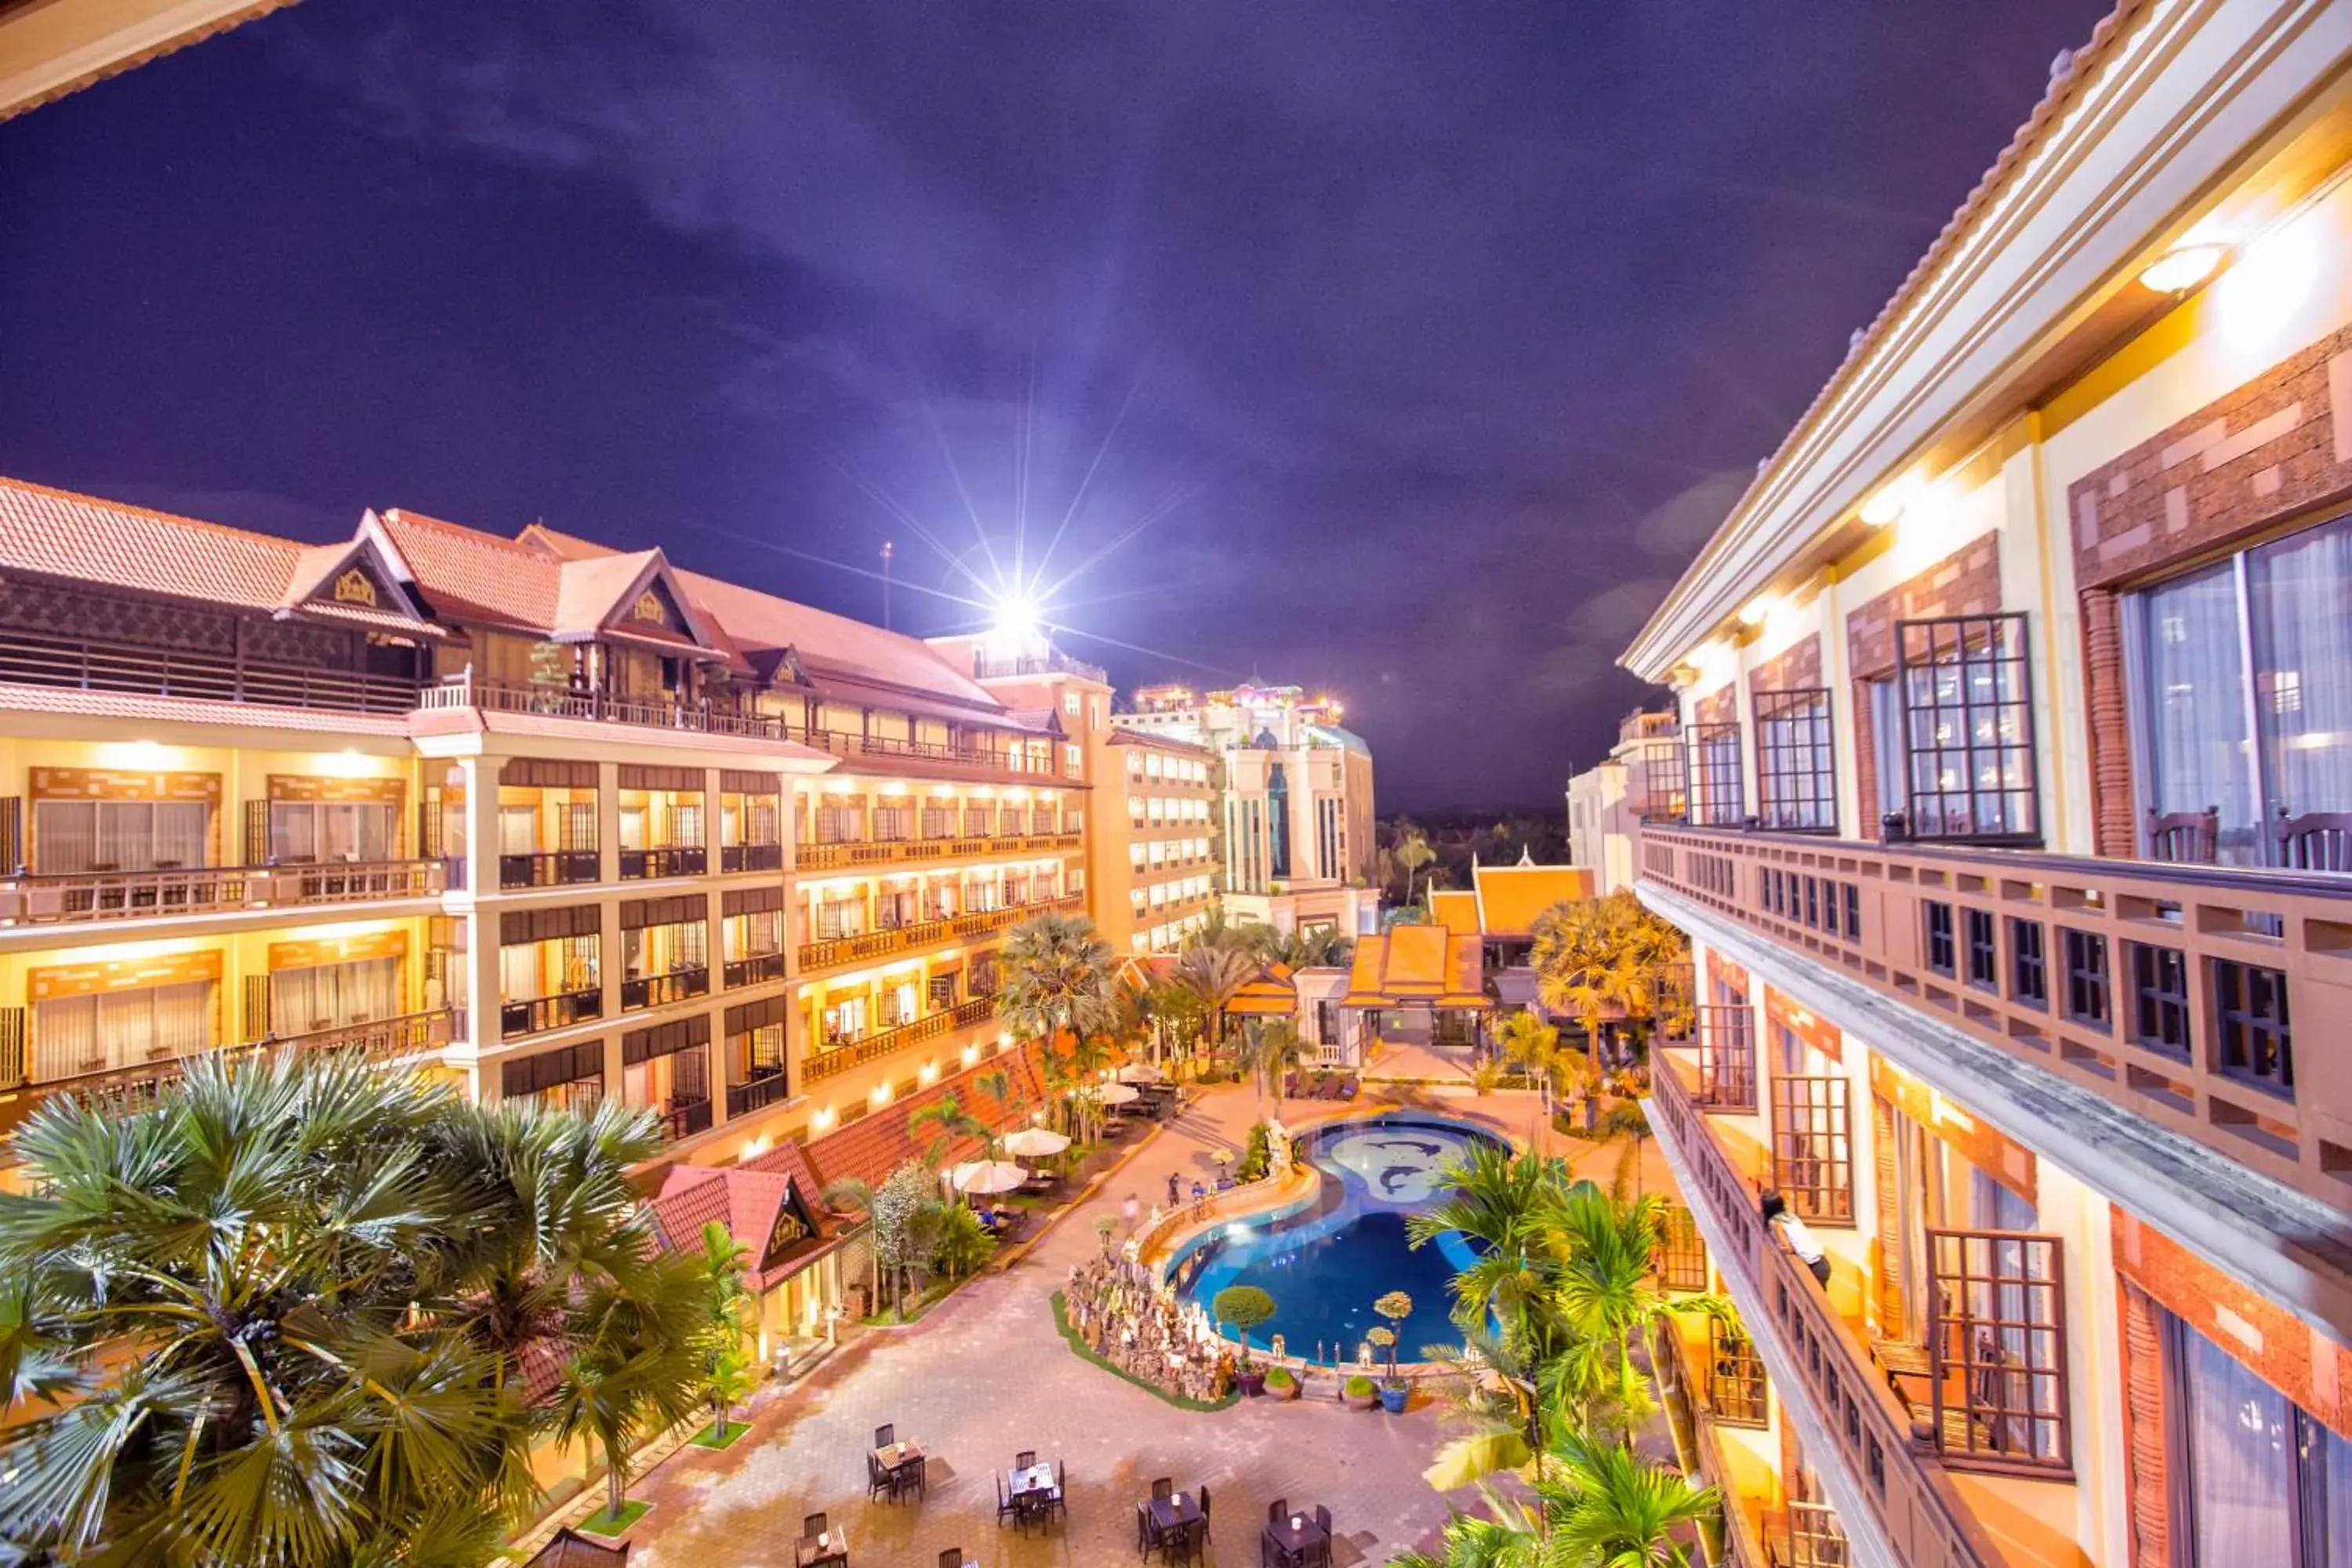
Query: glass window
<point>1966,690</point>
<point>2192,683</point>
<point>2240,1460</point>
<point>2300,593</point>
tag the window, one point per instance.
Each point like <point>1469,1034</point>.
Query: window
<point>330,995</point>
<point>570,1078</point>
<point>1796,768</point>
<point>2195,703</point>
<point>1939,938</point>
<point>1813,1160</point>
<point>1714,793</point>
<point>1072,703</point>
<point>77,1035</point>
<point>1967,691</point>
<point>2258,1479</point>
<point>303,831</point>
<point>70,836</point>
<point>2255,1040</point>
<point>1996,1341</point>
<point>2087,999</point>
<point>1984,957</point>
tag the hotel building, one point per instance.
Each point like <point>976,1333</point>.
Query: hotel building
<point>557,821</point>
<point>1292,814</point>
<point>2016,705</point>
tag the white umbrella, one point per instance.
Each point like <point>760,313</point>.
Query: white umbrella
<point>1140,1072</point>
<point>1036,1142</point>
<point>986,1176</point>
<point>1119,1094</point>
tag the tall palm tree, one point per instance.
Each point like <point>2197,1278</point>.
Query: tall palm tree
<point>249,1279</point>
<point>1215,974</point>
<point>638,1357</point>
<point>1270,1048</point>
<point>938,1124</point>
<point>1591,956</point>
<point>1057,978</point>
<point>1412,852</point>
<point>1526,1039</point>
<point>1604,1281</point>
<point>1499,1201</point>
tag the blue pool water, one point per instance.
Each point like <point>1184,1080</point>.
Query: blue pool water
<point>1325,1265</point>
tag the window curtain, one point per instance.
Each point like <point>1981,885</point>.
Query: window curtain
<point>2241,1459</point>
<point>65,836</point>
<point>1887,751</point>
<point>2300,592</point>
<point>330,995</point>
<point>2192,686</point>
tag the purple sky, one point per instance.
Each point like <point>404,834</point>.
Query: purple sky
<point>1429,340</point>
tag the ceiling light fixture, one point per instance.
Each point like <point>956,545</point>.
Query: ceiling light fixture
<point>2183,267</point>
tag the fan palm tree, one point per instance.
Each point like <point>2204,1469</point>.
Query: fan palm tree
<point>250,1281</point>
<point>1412,852</point>
<point>1526,1039</point>
<point>639,1356</point>
<point>1057,978</point>
<point>1215,974</point>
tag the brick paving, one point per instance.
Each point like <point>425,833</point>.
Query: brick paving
<point>984,1374</point>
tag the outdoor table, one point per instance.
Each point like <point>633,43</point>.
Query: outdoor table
<point>830,1547</point>
<point>1036,1479</point>
<point>1168,1512</point>
<point>1293,1538</point>
<point>898,1455</point>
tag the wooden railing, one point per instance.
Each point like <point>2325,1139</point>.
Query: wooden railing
<point>596,707</point>
<point>550,868</point>
<point>831,952</point>
<point>2167,989</point>
<point>684,1120</point>
<point>756,1094</point>
<point>751,858</point>
<point>840,1057</point>
<point>661,990</point>
<point>383,1041</point>
<point>752,969</point>
<point>534,1014</point>
<point>30,658</point>
<point>667,860</point>
<point>835,855</point>
<point>70,897</point>
<point>1911,1496</point>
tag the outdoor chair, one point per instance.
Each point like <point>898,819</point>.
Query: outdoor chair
<point>1278,1510</point>
<point>1183,1544</point>
<point>952,1557</point>
<point>1204,1513</point>
<point>912,1476</point>
<point>1147,1535</point>
<point>1006,1508</point>
<point>1024,1459</point>
<point>812,1525</point>
<point>2317,841</point>
<point>1162,1488</point>
<point>2185,838</point>
<point>885,1435</point>
<point>877,1480</point>
<point>1323,1518</point>
<point>1058,1499</point>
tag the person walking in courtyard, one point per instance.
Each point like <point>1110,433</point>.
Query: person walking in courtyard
<point>1175,1192</point>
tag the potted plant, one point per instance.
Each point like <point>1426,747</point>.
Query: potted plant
<point>1282,1382</point>
<point>1245,1307</point>
<point>1359,1393</point>
<point>1396,1306</point>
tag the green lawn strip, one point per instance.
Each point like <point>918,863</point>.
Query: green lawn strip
<point>602,1523</point>
<point>735,1430</point>
<point>1062,1322</point>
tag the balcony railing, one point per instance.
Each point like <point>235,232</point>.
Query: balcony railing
<point>831,952</point>
<point>830,857</point>
<point>2167,989</point>
<point>596,707</point>
<point>29,658</point>
<point>70,897</point>
<point>756,1094</point>
<point>872,1048</point>
<point>1057,663</point>
<point>753,969</point>
<point>549,869</point>
<point>751,858</point>
<point>661,990</point>
<point>684,1120</point>
<point>123,1090</point>
<point>559,1011</point>
<point>1902,1480</point>
<point>672,861</point>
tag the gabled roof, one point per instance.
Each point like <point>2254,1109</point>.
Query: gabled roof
<point>569,1549</point>
<point>1424,965</point>
<point>748,1201</point>
<point>1511,898</point>
<point>1455,909</point>
<point>1272,993</point>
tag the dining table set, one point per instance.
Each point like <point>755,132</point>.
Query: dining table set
<point>1172,1524</point>
<point>1295,1539</point>
<point>1033,1491</point>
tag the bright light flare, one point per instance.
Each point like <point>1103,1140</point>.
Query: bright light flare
<point>1014,616</point>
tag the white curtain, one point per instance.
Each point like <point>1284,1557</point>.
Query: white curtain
<point>2241,1457</point>
<point>328,995</point>
<point>2192,703</point>
<point>307,830</point>
<point>2300,590</point>
<point>121,1029</point>
<point>65,836</point>
<point>123,835</point>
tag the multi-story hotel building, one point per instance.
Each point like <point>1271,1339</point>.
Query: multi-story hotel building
<point>2016,696</point>
<point>1292,816</point>
<point>1638,781</point>
<point>561,821</point>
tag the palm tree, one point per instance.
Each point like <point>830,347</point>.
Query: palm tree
<point>944,1121</point>
<point>1413,851</point>
<point>1499,1201</point>
<point>1591,955</point>
<point>1526,1039</point>
<point>730,1317</point>
<point>855,1193</point>
<point>1057,978</point>
<point>638,1363</point>
<point>1611,1507</point>
<point>250,1281</point>
<point>1269,1049</point>
<point>1605,1284</point>
<point>1215,974</point>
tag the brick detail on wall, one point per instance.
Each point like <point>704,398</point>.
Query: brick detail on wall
<point>2302,1363</point>
<point>1965,582</point>
<point>1886,1262</point>
<point>1722,971</point>
<point>2280,444</point>
<point>2113,811</point>
<point>2147,1478</point>
<point>1720,706</point>
<point>1797,667</point>
<point>1816,1031</point>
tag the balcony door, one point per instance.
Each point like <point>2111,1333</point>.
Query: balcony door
<point>2241,688</point>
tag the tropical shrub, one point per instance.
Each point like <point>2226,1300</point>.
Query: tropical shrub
<point>963,1244</point>
<point>1242,1308</point>
<point>1257,1154</point>
<point>1280,1379</point>
<point>1358,1386</point>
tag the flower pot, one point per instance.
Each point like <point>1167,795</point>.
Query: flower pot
<point>1392,1397</point>
<point>1290,1390</point>
<point>1359,1401</point>
<point>1252,1383</point>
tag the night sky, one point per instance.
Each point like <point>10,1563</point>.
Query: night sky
<point>1404,350</point>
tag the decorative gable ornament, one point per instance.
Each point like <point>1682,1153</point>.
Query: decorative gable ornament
<point>650,609</point>
<point>354,586</point>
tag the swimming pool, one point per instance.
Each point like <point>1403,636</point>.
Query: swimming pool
<point>1325,1264</point>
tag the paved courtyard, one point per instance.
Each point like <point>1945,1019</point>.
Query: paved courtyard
<point>984,1374</point>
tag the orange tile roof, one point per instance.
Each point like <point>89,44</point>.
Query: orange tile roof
<point>876,1144</point>
<point>1417,964</point>
<point>1510,898</point>
<point>1271,993</point>
<point>747,1200</point>
<point>1455,909</point>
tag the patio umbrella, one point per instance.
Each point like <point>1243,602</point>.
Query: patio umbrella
<point>1036,1142</point>
<point>984,1176</point>
<point>1119,1094</point>
<point>1140,1072</point>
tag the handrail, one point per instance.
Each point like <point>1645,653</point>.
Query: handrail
<point>832,854</point>
<point>468,691</point>
<point>65,897</point>
<point>32,658</point>
<point>831,952</point>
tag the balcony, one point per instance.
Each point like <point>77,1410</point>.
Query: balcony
<point>561,703</point>
<point>831,857</point>
<point>550,868</point>
<point>661,990</point>
<point>559,1011</point>
<point>1052,663</point>
<point>832,952</point>
<point>752,969</point>
<point>671,861</point>
<point>1900,1474</point>
<point>73,897</point>
<point>1683,1376</point>
<point>735,858</point>
<point>2168,990</point>
<point>29,658</point>
<point>121,1090</point>
<point>756,1094</point>
<point>847,1054</point>
<point>684,1120</point>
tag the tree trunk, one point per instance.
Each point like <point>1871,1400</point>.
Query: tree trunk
<point>616,1481</point>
